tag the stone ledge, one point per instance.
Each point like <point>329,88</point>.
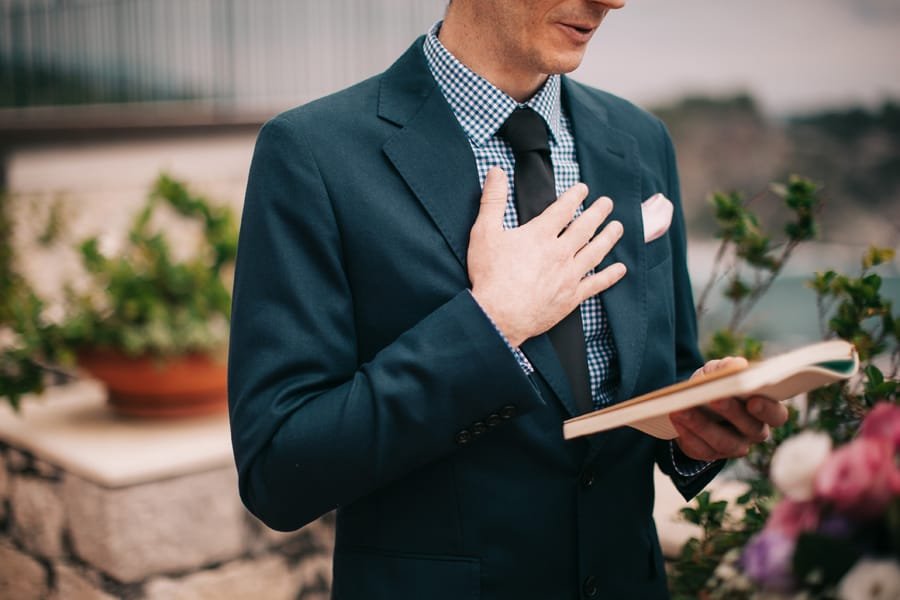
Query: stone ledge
<point>21,576</point>
<point>72,427</point>
<point>175,525</point>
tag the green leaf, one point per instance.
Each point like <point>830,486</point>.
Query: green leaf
<point>875,256</point>
<point>829,556</point>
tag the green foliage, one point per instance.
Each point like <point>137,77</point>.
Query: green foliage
<point>152,304</point>
<point>142,300</point>
<point>28,344</point>
<point>696,564</point>
<point>851,308</point>
<point>725,342</point>
<point>821,560</point>
<point>747,248</point>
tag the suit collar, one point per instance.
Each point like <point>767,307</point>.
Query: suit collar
<point>405,86</point>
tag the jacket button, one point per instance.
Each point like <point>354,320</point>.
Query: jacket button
<point>590,588</point>
<point>587,479</point>
<point>508,411</point>
<point>463,437</point>
<point>479,428</point>
<point>493,420</point>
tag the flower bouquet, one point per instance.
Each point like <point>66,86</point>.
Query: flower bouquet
<point>835,531</point>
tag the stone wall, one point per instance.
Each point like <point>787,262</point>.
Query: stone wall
<point>187,537</point>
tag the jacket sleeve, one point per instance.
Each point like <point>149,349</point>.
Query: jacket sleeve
<point>690,476</point>
<point>312,428</point>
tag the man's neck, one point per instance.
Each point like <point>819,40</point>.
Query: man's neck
<point>474,51</point>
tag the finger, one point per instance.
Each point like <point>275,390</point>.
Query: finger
<point>585,226</point>
<point>593,254</point>
<point>493,200</point>
<point>714,365</point>
<point>691,444</point>
<point>769,411</point>
<point>726,442</point>
<point>599,282</point>
<point>560,213</point>
<point>735,412</point>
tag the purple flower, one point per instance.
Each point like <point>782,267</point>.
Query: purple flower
<point>767,560</point>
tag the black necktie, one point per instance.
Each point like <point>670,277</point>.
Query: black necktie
<point>535,190</point>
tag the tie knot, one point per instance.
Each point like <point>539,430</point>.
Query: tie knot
<point>525,131</point>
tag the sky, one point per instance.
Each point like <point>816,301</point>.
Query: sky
<point>792,55</point>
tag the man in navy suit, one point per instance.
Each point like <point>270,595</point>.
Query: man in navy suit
<point>398,350</point>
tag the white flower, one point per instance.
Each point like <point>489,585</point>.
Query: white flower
<point>109,245</point>
<point>871,579</point>
<point>796,461</point>
<point>725,571</point>
<point>54,314</point>
<point>9,339</point>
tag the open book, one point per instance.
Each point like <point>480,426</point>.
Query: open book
<point>779,378</point>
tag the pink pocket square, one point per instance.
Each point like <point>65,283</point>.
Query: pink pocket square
<point>656,212</point>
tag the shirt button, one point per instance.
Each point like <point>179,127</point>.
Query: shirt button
<point>590,588</point>
<point>463,437</point>
<point>493,420</point>
<point>479,428</point>
<point>587,479</point>
<point>508,411</point>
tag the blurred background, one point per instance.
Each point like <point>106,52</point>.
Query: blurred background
<point>98,97</point>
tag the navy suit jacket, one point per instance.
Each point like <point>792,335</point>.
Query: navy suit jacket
<point>363,376</point>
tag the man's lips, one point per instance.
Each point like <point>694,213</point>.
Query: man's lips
<point>578,32</point>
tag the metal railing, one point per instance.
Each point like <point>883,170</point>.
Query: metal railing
<point>248,53</point>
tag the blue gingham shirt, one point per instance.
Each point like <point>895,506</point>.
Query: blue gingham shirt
<point>481,109</point>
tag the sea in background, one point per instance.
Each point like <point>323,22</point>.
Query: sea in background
<point>787,316</point>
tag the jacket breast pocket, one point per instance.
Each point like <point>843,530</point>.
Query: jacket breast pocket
<point>376,574</point>
<point>657,251</point>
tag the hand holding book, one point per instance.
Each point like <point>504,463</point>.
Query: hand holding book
<point>746,396</point>
<point>725,428</point>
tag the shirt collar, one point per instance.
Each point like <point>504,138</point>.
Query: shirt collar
<point>480,107</point>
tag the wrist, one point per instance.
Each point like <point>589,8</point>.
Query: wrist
<point>497,317</point>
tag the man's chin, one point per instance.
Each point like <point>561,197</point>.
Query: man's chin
<point>563,64</point>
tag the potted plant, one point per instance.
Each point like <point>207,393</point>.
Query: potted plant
<point>152,323</point>
<point>153,327</point>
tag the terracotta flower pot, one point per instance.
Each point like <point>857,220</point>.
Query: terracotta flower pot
<point>159,387</point>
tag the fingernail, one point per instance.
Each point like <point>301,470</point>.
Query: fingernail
<point>617,227</point>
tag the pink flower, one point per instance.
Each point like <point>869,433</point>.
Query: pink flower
<point>860,478</point>
<point>883,421</point>
<point>792,517</point>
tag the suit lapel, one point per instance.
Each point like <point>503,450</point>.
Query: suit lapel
<point>431,151</point>
<point>433,155</point>
<point>608,161</point>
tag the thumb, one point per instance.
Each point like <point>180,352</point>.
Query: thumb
<point>493,199</point>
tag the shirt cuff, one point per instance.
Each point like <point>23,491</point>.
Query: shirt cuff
<point>684,465</point>
<point>523,361</point>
